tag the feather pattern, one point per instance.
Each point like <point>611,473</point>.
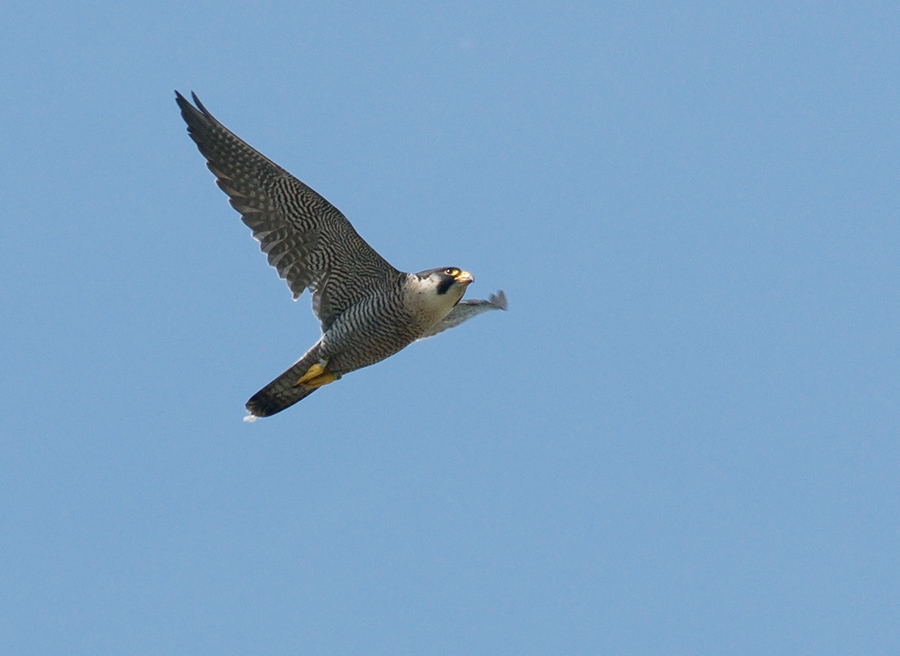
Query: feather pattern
<point>368,310</point>
<point>308,241</point>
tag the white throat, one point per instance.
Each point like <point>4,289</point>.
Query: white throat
<point>429,307</point>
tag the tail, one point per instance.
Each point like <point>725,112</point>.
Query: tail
<point>281,393</point>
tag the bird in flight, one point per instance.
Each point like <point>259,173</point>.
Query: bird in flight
<point>368,310</point>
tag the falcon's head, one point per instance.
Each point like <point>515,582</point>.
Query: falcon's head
<point>448,280</point>
<point>436,291</point>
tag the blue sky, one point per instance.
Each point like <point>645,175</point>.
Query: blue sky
<point>681,438</point>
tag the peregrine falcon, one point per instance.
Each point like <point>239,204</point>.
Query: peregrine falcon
<point>368,310</point>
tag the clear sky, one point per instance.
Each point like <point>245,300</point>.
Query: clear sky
<point>682,438</point>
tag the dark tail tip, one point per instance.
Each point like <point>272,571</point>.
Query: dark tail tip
<point>265,404</point>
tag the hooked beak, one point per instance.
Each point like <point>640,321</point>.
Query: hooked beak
<point>464,278</point>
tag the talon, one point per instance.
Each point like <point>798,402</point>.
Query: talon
<point>312,372</point>
<point>318,381</point>
<point>316,376</point>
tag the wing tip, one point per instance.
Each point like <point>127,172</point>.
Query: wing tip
<point>498,300</point>
<point>183,103</point>
<point>200,104</point>
<point>188,109</point>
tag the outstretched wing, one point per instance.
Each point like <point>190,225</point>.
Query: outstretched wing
<point>465,310</point>
<point>308,241</point>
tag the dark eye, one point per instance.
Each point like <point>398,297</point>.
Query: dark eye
<point>451,271</point>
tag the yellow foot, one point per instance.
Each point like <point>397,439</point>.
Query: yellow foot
<point>318,381</point>
<point>312,372</point>
<point>316,376</point>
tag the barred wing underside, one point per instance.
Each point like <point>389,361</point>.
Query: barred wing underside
<point>308,241</point>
